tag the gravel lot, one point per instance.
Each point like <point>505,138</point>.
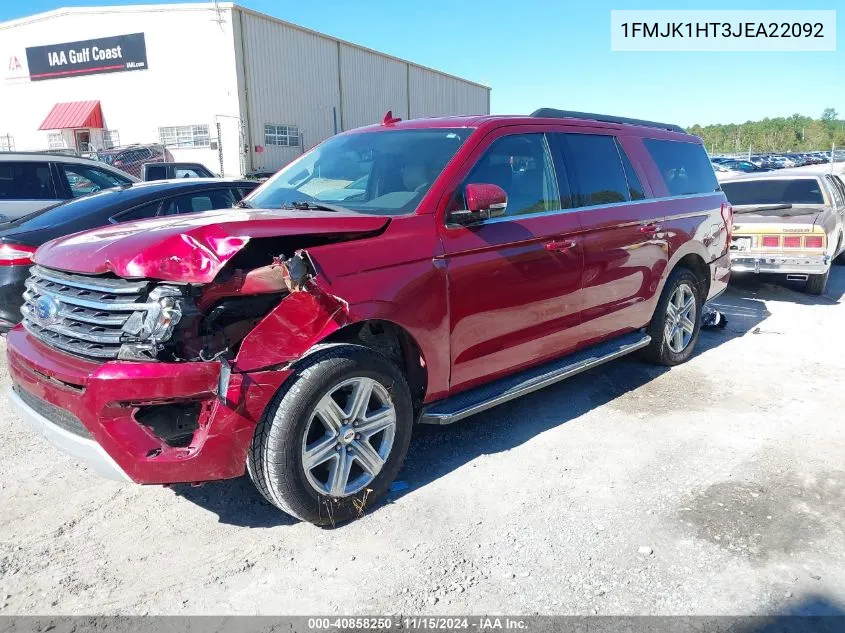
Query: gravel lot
<point>715,488</point>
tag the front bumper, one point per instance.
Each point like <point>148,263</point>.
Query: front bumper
<point>779,263</point>
<point>105,399</point>
<point>83,448</point>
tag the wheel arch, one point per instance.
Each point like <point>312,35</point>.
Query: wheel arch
<point>691,256</point>
<point>393,341</point>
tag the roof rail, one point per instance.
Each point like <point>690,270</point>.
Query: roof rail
<point>552,113</point>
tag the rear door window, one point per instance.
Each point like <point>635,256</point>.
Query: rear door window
<point>156,172</point>
<point>26,181</point>
<point>199,201</point>
<point>84,180</point>
<point>149,210</point>
<point>685,168</point>
<point>187,172</point>
<point>595,169</point>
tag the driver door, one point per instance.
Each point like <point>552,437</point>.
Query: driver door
<point>513,281</point>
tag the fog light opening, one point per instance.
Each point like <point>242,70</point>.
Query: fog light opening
<point>175,424</point>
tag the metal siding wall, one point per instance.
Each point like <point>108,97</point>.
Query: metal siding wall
<point>433,94</point>
<point>372,85</point>
<point>292,77</point>
<point>170,92</point>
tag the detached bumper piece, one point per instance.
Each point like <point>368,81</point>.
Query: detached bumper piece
<point>779,263</point>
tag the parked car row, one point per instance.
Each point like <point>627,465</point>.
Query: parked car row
<point>768,162</point>
<point>410,272</point>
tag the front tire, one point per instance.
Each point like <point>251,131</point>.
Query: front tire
<point>676,323</point>
<point>334,437</point>
<point>816,284</point>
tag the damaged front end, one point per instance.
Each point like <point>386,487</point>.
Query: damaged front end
<point>151,369</point>
<point>104,317</point>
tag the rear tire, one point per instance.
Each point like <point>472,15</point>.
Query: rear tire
<point>816,284</point>
<point>676,323</point>
<point>308,455</point>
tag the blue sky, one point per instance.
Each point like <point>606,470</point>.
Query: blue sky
<point>557,53</point>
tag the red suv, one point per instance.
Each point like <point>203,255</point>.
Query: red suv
<point>418,271</point>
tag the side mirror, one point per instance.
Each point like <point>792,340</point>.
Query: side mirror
<point>484,201</point>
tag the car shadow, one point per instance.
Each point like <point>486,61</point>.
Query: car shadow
<point>812,614</point>
<point>436,451</point>
<point>777,288</point>
<point>235,502</point>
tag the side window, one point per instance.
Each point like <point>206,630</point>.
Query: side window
<point>84,180</point>
<point>839,185</point>
<point>240,193</point>
<point>26,181</point>
<point>635,188</point>
<point>522,166</point>
<point>685,168</point>
<point>834,190</point>
<point>594,163</point>
<point>186,173</point>
<point>200,201</point>
<point>156,172</point>
<point>149,210</point>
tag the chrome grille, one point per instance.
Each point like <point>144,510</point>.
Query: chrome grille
<point>91,311</point>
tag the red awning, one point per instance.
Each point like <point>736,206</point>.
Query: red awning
<point>65,116</point>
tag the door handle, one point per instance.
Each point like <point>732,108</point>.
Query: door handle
<point>559,246</point>
<point>650,229</point>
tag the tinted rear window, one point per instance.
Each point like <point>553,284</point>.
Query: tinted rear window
<point>685,168</point>
<point>594,163</point>
<point>26,181</point>
<point>784,191</point>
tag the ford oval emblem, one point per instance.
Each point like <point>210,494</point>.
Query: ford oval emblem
<point>46,310</point>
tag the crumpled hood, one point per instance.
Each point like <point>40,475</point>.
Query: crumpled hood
<point>191,248</point>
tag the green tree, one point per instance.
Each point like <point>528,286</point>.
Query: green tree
<point>780,134</point>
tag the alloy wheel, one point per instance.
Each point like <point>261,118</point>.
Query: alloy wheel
<point>680,318</point>
<point>349,437</point>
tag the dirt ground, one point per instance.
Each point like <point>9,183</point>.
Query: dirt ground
<point>717,487</point>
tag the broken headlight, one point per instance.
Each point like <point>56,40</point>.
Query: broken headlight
<point>153,325</point>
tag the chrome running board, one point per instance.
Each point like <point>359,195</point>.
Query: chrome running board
<point>472,401</point>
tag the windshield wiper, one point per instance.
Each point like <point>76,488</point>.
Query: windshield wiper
<point>309,205</point>
<point>752,208</point>
<point>312,205</point>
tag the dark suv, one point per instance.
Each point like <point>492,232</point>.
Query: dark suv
<point>419,271</point>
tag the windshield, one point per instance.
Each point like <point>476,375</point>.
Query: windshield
<point>381,173</point>
<point>781,191</point>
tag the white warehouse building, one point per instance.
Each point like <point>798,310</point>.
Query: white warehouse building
<point>219,84</point>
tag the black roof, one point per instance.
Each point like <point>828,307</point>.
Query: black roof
<point>552,113</point>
